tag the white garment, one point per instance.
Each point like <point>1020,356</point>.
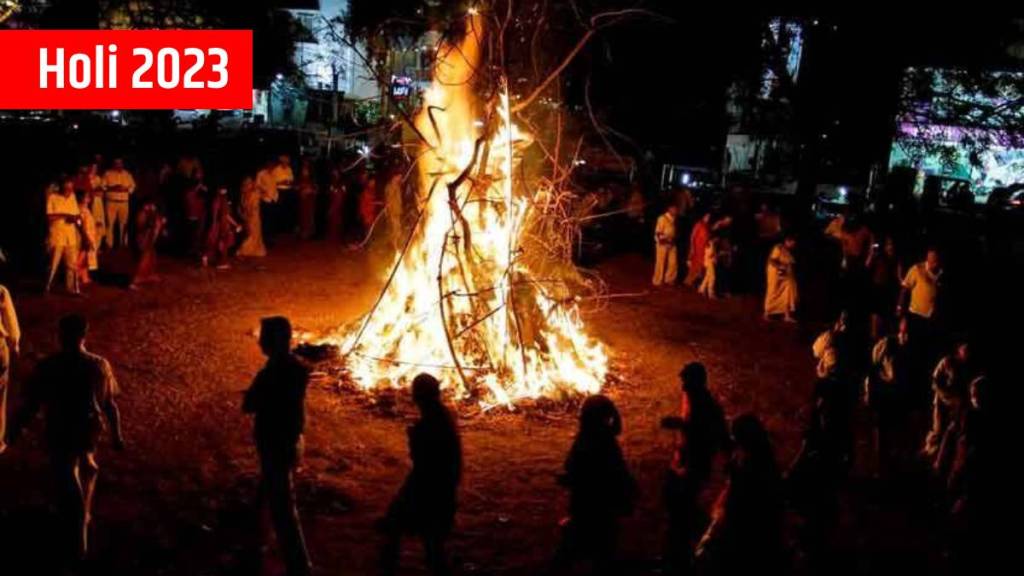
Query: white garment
<point>118,185</point>
<point>781,294</point>
<point>267,185</point>
<point>283,176</point>
<point>62,232</point>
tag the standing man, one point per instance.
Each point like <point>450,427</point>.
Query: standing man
<point>921,288</point>
<point>76,390</point>
<point>10,340</point>
<point>63,213</point>
<point>665,247</point>
<point>118,186</point>
<point>277,400</point>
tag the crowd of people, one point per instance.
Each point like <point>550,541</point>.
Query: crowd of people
<point>888,356</point>
<point>178,209</point>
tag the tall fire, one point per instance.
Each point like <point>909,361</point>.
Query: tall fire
<point>472,296</point>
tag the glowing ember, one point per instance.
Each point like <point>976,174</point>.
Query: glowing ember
<point>466,298</point>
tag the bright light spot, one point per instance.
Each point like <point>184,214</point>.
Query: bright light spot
<point>472,11</point>
<point>279,76</point>
<point>115,113</point>
<point>686,177</point>
<point>842,191</point>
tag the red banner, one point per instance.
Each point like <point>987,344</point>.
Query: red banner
<point>126,69</point>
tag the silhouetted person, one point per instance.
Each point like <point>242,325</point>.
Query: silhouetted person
<point>702,433</point>
<point>425,505</point>
<point>973,484</point>
<point>277,400</point>
<point>75,389</point>
<point>823,462</point>
<point>744,535</point>
<point>888,394</point>
<point>601,489</point>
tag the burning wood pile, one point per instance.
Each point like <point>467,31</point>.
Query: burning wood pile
<point>480,294</point>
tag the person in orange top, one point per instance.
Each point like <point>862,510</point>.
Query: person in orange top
<point>698,242</point>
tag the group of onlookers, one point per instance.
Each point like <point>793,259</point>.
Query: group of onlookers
<point>178,208</point>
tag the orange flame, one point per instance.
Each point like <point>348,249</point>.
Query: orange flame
<point>461,300</point>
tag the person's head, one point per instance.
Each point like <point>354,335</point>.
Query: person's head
<point>426,391</point>
<point>67,187</point>
<point>275,336</point>
<point>889,246</point>
<point>694,378</point>
<point>599,417</point>
<point>673,209</point>
<point>932,259</point>
<point>750,436</point>
<point>284,160</point>
<point>118,164</point>
<point>789,241</point>
<point>963,351</point>
<point>71,331</point>
<point>979,393</point>
<point>83,170</point>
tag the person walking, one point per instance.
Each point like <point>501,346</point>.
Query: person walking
<point>950,386</point>
<point>781,296</point>
<point>64,216</point>
<point>76,390</point>
<point>425,505</point>
<point>919,297</point>
<point>220,238</point>
<point>701,434</point>
<point>10,343</point>
<point>746,522</point>
<point>277,401</point>
<point>699,237</point>
<point>252,246</point>
<point>665,261</point>
<point>601,490</point>
<point>118,187</point>
<point>149,225</point>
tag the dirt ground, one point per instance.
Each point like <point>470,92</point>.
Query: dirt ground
<point>179,500</point>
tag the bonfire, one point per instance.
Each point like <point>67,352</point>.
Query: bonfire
<point>476,295</point>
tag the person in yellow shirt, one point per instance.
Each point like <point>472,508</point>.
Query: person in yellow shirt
<point>118,186</point>
<point>64,215</point>
<point>10,340</point>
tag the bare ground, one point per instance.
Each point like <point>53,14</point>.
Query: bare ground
<point>179,500</point>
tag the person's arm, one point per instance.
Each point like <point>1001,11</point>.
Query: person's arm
<point>908,284</point>
<point>129,186</point>
<point>110,409</point>
<point>10,320</point>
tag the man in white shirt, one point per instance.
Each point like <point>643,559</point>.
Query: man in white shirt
<point>118,186</point>
<point>64,214</point>
<point>665,247</point>
<point>10,340</point>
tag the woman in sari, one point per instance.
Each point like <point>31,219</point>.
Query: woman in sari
<point>781,295</point>
<point>252,246</point>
